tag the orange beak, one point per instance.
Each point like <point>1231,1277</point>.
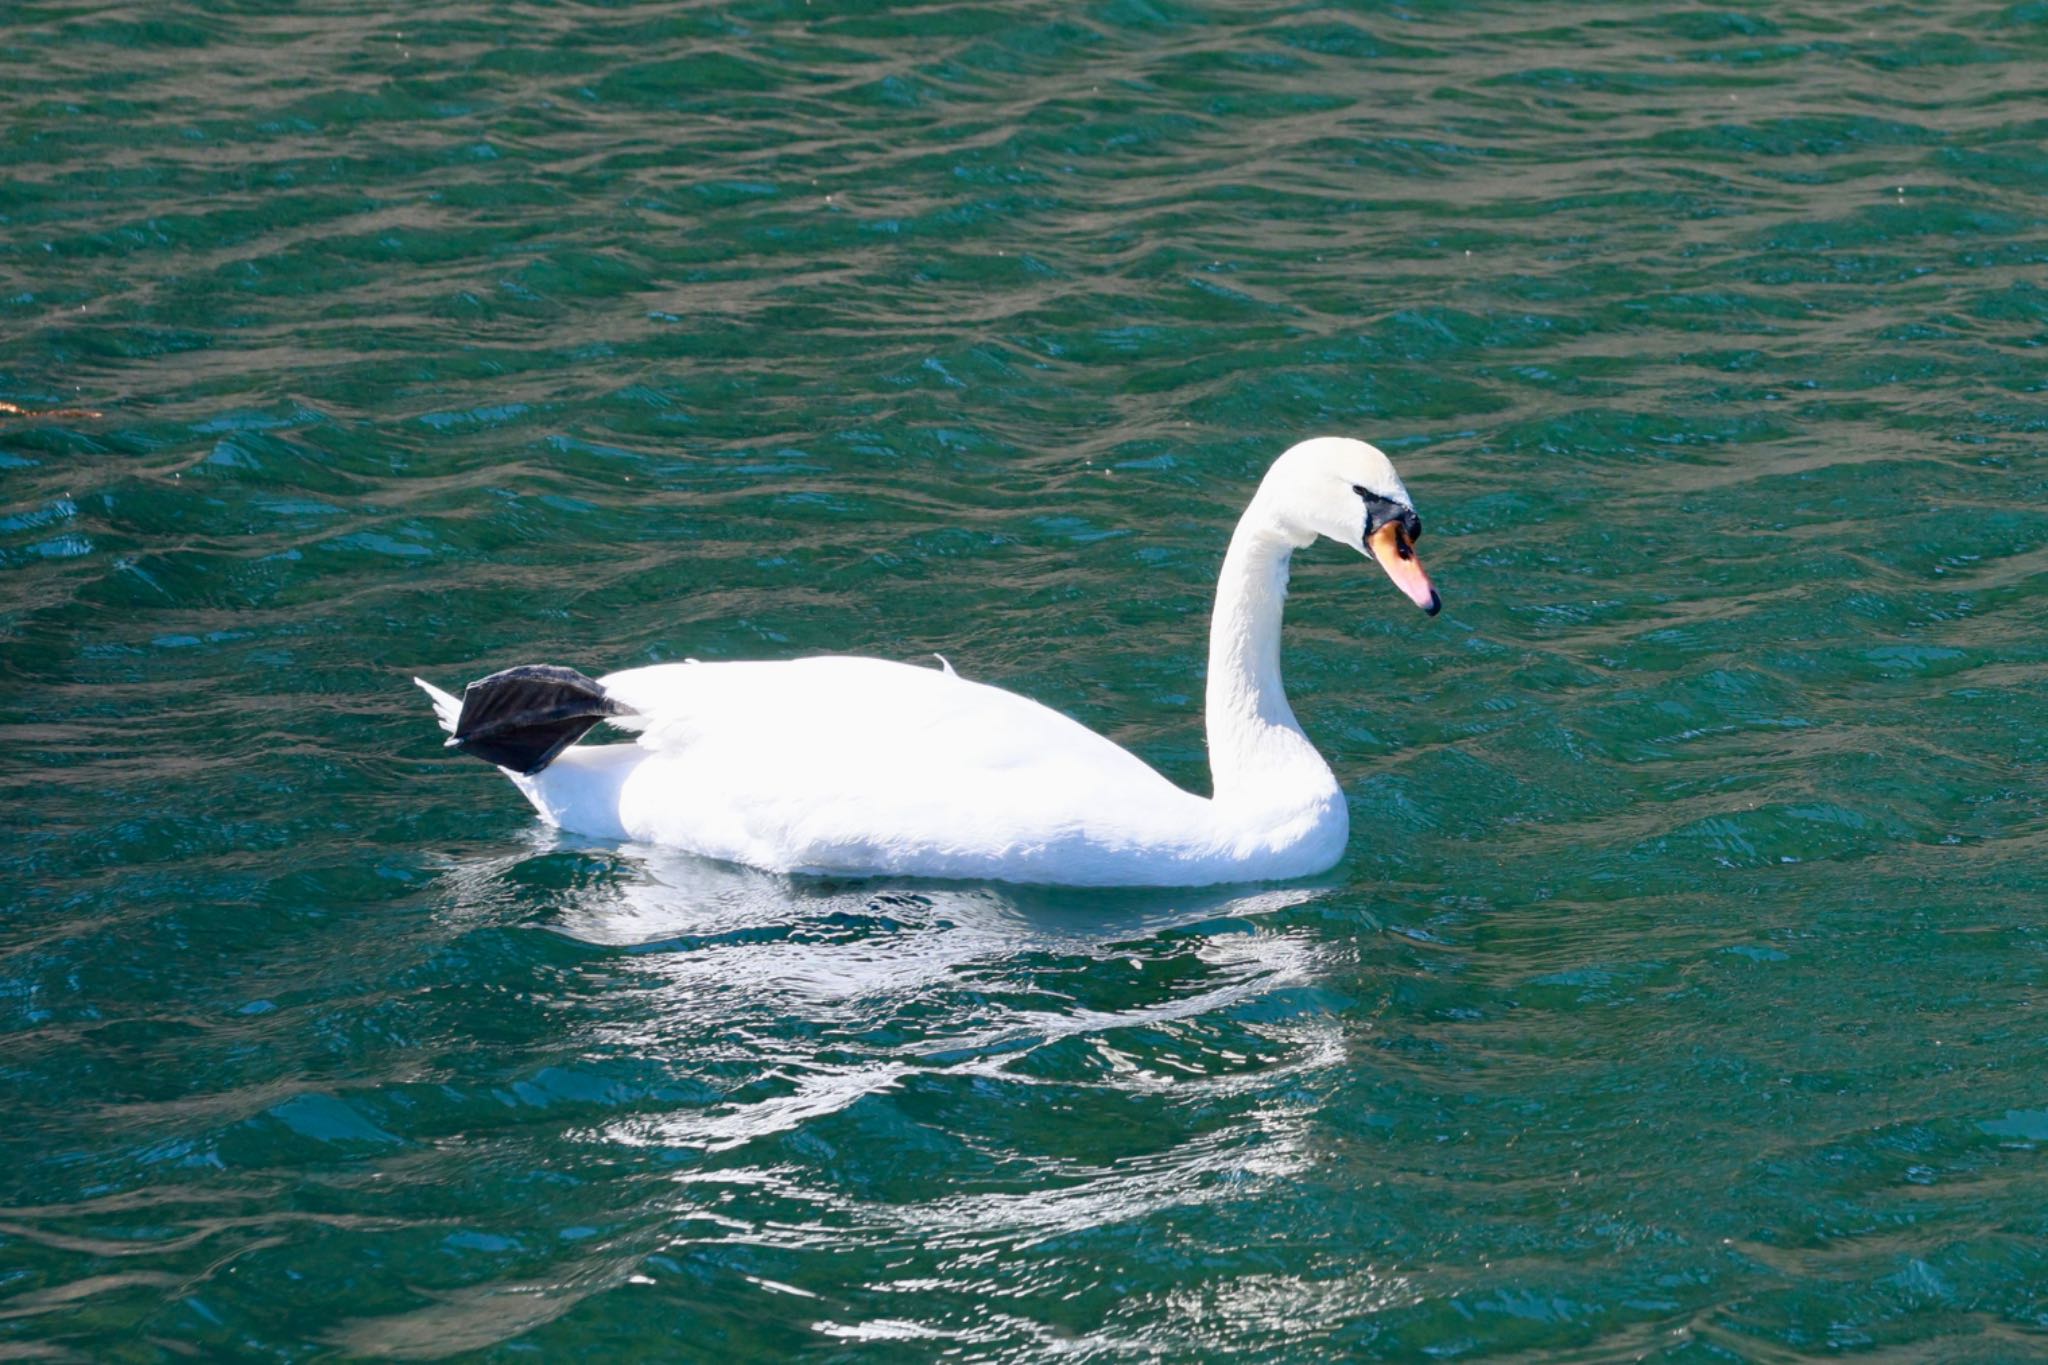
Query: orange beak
<point>1396,554</point>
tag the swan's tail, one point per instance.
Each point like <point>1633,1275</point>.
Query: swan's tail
<point>522,718</point>
<point>447,709</point>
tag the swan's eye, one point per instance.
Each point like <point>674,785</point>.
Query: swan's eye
<point>1381,511</point>
<point>1401,546</point>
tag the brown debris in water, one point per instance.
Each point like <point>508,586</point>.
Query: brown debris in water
<point>8,409</point>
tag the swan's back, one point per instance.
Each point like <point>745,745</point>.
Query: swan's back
<point>836,763</point>
<point>857,711</point>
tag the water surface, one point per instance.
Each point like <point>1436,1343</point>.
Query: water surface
<point>1681,994</point>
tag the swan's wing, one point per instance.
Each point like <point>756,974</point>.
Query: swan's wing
<point>831,761</point>
<point>865,718</point>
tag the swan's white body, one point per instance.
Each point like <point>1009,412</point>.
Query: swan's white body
<point>863,766</point>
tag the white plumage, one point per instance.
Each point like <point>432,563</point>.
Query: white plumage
<point>858,765</point>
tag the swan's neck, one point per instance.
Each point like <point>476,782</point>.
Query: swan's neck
<point>1258,755</point>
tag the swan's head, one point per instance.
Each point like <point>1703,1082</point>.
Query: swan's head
<point>1347,490</point>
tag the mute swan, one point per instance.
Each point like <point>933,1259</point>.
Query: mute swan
<point>862,766</point>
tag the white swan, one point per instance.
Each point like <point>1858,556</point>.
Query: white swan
<point>862,766</point>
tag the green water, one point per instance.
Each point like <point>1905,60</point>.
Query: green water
<point>1682,993</point>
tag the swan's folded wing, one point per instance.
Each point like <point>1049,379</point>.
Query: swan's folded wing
<point>856,724</point>
<point>848,764</point>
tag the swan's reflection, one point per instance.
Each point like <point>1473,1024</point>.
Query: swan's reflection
<point>797,999</point>
<point>723,939</point>
<point>676,895</point>
<point>726,939</point>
